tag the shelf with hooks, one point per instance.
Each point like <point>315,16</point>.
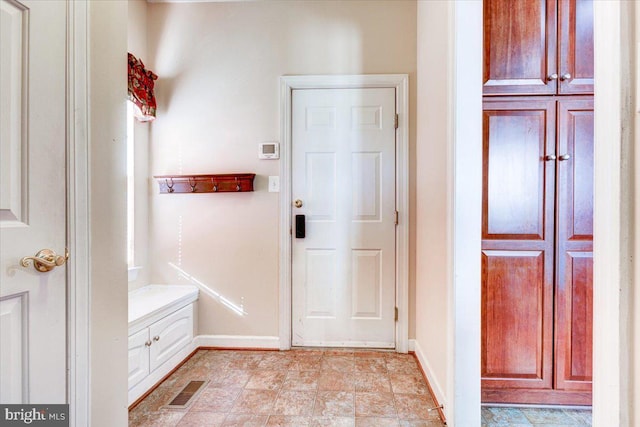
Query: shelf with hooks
<point>219,183</point>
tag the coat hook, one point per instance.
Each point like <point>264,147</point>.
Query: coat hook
<point>193,186</point>
<point>238,188</point>
<point>169,187</point>
<point>215,185</point>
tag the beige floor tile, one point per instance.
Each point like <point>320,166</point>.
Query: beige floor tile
<point>372,382</point>
<point>338,363</point>
<point>202,419</point>
<point>375,405</point>
<point>266,380</point>
<point>259,402</point>
<point>301,380</point>
<point>214,399</point>
<point>334,404</point>
<point>408,384</point>
<point>376,422</point>
<point>415,407</point>
<point>245,420</point>
<point>294,402</point>
<point>336,381</point>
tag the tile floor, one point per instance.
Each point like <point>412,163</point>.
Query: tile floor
<point>526,417</point>
<point>294,388</point>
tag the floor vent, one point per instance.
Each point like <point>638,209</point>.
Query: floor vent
<point>187,396</point>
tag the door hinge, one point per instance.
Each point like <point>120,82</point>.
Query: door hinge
<point>395,122</point>
<point>396,218</point>
<point>396,314</point>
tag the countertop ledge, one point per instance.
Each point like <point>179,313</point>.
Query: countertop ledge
<point>153,302</point>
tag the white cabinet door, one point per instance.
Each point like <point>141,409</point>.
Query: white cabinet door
<point>170,335</point>
<point>33,321</point>
<point>343,173</point>
<point>138,357</point>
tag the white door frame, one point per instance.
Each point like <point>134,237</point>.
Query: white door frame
<point>401,84</point>
<point>78,227</point>
<point>613,220</point>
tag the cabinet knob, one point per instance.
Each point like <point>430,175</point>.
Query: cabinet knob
<point>550,157</point>
<point>552,77</point>
<point>156,338</point>
<point>148,343</point>
<point>566,76</point>
<point>564,157</point>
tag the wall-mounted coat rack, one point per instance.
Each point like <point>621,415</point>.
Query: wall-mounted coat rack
<point>220,183</point>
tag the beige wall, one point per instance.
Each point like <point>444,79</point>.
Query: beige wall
<point>218,95</point>
<point>107,35</point>
<point>432,293</point>
<point>137,45</point>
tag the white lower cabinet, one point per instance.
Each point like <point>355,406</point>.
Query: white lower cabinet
<point>152,348</point>
<point>138,357</point>
<point>169,335</point>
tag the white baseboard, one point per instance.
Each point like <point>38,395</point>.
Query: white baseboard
<point>433,382</point>
<point>411,345</point>
<point>238,341</point>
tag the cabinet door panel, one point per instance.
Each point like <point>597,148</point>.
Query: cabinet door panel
<point>575,46</point>
<point>516,339</point>
<point>519,47</point>
<point>138,357</point>
<point>518,244</point>
<point>574,269</point>
<point>170,335</point>
<point>517,181</point>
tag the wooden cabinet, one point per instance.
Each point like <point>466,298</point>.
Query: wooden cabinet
<point>538,47</point>
<point>537,234</point>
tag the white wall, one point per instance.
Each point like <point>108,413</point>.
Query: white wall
<point>449,152</point>
<point>432,245</point>
<point>219,65</point>
<point>137,45</point>
<point>107,183</point>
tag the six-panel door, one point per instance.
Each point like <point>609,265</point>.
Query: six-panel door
<point>343,174</point>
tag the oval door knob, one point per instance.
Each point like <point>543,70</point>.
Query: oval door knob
<point>297,203</point>
<point>45,260</point>
<point>553,76</point>
<point>564,157</point>
<point>148,343</point>
<point>550,157</point>
<point>566,76</point>
<point>156,338</point>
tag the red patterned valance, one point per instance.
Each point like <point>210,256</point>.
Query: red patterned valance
<point>141,89</point>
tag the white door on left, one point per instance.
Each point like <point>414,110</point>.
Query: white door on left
<point>33,321</point>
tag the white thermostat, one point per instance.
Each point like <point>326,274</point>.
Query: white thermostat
<point>269,150</point>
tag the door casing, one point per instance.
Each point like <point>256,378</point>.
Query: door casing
<point>78,226</point>
<point>400,82</point>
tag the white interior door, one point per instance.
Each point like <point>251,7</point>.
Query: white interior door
<point>32,200</point>
<point>343,174</point>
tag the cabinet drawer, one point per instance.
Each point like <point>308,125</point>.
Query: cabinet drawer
<point>169,335</point>
<point>138,357</point>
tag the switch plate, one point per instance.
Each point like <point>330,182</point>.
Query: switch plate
<point>274,184</point>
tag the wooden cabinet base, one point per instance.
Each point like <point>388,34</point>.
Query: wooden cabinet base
<point>539,397</point>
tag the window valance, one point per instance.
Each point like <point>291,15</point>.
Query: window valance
<point>141,83</point>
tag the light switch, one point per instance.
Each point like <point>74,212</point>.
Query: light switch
<point>274,184</point>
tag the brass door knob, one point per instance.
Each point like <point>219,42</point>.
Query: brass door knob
<point>297,203</point>
<point>45,260</point>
